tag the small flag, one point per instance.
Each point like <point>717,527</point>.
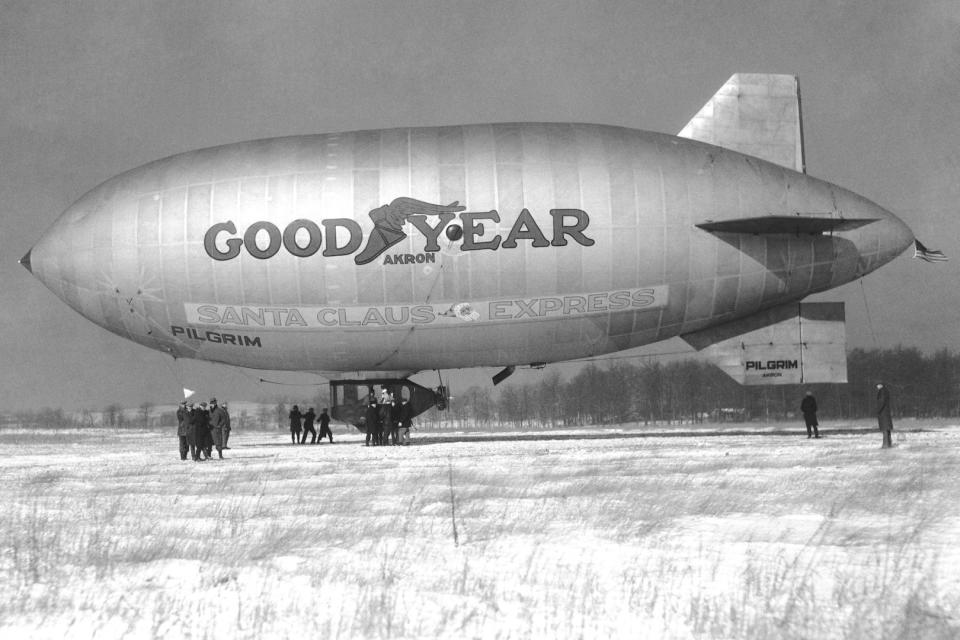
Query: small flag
<point>187,393</point>
<point>930,255</point>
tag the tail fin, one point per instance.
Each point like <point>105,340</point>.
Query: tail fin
<point>789,344</point>
<point>757,114</point>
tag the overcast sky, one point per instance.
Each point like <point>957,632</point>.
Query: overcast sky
<point>92,88</point>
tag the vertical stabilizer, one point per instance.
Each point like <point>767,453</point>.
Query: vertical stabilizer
<point>757,114</point>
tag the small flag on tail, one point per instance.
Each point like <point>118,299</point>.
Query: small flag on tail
<point>930,255</point>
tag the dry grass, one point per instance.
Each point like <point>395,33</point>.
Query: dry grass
<point>743,536</point>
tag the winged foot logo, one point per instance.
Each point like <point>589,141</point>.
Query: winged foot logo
<point>343,236</point>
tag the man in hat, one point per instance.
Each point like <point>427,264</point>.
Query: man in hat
<point>204,440</point>
<point>395,411</point>
<point>371,418</point>
<point>325,425</point>
<point>884,416</point>
<point>308,418</point>
<point>226,431</point>
<point>808,407</point>
<point>296,426</point>
<point>218,425</point>
<point>406,421</point>
<point>193,420</point>
<point>182,418</point>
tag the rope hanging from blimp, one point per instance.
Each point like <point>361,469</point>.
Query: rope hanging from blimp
<point>448,251</point>
<point>323,380</point>
<point>920,252</point>
<point>176,367</point>
<point>866,306</point>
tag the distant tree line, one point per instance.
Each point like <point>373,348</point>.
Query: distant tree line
<point>619,392</point>
<point>690,390</point>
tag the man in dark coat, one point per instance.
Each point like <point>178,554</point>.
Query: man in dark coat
<point>406,421</point>
<point>308,419</point>
<point>182,418</point>
<point>204,439</point>
<point>218,426</point>
<point>193,420</point>
<point>808,407</point>
<point>395,420</point>
<point>295,426</point>
<point>226,430</point>
<point>371,418</point>
<point>884,417</point>
<point>383,422</point>
<point>325,425</point>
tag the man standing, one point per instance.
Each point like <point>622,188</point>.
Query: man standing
<point>218,425</point>
<point>808,407</point>
<point>884,417</point>
<point>193,423</point>
<point>182,417</point>
<point>406,421</point>
<point>395,410</point>
<point>308,419</point>
<point>226,430</point>
<point>295,426</point>
<point>325,425</point>
<point>383,423</point>
<point>204,439</point>
<point>370,420</point>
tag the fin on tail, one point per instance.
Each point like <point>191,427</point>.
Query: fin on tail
<point>790,344</point>
<point>757,114</point>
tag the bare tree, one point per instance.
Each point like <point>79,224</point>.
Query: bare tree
<point>264,415</point>
<point>145,409</point>
<point>549,399</point>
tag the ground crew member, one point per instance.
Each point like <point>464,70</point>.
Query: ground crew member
<point>406,421</point>
<point>394,421</point>
<point>218,423</point>
<point>308,419</point>
<point>182,418</point>
<point>884,417</point>
<point>808,407</point>
<point>383,423</point>
<point>193,421</point>
<point>295,426</point>
<point>204,439</point>
<point>371,419</point>
<point>226,430</point>
<point>325,426</point>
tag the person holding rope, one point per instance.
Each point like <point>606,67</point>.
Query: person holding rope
<point>295,425</point>
<point>808,407</point>
<point>884,416</point>
<point>406,421</point>
<point>325,426</point>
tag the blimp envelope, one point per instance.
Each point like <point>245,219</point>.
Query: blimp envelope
<point>791,344</point>
<point>378,254</point>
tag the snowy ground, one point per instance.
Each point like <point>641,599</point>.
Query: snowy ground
<point>733,531</point>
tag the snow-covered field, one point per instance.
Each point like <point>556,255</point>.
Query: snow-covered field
<point>690,533</point>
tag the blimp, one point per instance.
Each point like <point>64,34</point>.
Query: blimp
<point>372,255</point>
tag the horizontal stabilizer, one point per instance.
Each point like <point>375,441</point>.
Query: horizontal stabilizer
<point>790,344</point>
<point>757,114</point>
<point>793,225</point>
